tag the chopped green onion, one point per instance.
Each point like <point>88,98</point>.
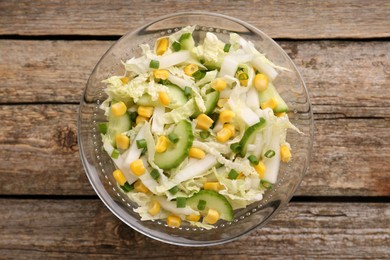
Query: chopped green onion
<point>115,154</point>
<point>201,204</point>
<point>269,153</point>
<point>204,134</point>
<point>243,76</point>
<point>155,174</point>
<point>184,36</point>
<point>227,47</point>
<point>266,184</point>
<point>181,202</point>
<point>198,75</point>
<point>103,127</point>
<point>236,147</point>
<point>176,46</point>
<point>174,190</point>
<point>253,160</point>
<point>133,116</point>
<point>173,138</point>
<point>164,82</point>
<point>233,174</point>
<point>187,91</point>
<point>127,187</point>
<point>154,64</point>
<point>144,151</point>
<point>141,143</point>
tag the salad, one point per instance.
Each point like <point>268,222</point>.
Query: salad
<point>196,130</point>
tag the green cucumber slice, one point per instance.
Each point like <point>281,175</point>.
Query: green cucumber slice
<point>117,125</point>
<point>213,200</point>
<point>175,94</point>
<point>250,135</point>
<point>176,153</point>
<point>210,102</point>
<point>271,92</point>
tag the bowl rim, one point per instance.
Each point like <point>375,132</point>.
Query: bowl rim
<point>107,199</point>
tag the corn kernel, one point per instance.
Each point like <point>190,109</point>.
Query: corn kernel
<point>118,109</point>
<point>272,103</point>
<point>197,153</point>
<point>204,122</point>
<point>212,216</point>
<point>221,102</point>
<point>140,187</point>
<point>119,177</point>
<point>122,141</point>
<point>140,119</point>
<point>260,82</point>
<point>260,169</point>
<point>219,84</point>
<point>173,221</point>
<point>160,74</point>
<point>162,46</point>
<point>226,116</point>
<point>231,128</point>
<point>280,114</point>
<point>162,144</point>
<point>191,69</point>
<point>212,186</point>
<point>223,135</point>
<point>285,153</point>
<point>240,175</point>
<point>125,80</point>
<point>164,98</point>
<point>155,208</point>
<point>193,217</point>
<point>137,167</point>
<point>145,111</point>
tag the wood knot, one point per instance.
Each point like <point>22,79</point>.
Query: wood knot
<point>67,138</point>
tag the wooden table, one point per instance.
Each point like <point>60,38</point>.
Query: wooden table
<point>47,206</point>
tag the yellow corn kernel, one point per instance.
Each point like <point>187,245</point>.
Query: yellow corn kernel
<point>162,144</point>
<point>223,135</point>
<point>145,111</point>
<point>222,102</point>
<point>160,74</point>
<point>140,119</point>
<point>231,128</point>
<point>137,167</point>
<point>260,82</point>
<point>197,153</point>
<point>164,98</point>
<point>212,216</point>
<point>212,186</point>
<point>260,169</point>
<point>140,187</point>
<point>219,84</point>
<point>269,104</point>
<point>204,122</point>
<point>191,69</point>
<point>118,109</point>
<point>155,208</point>
<point>280,114</point>
<point>285,153</point>
<point>226,116</point>
<point>193,217</point>
<point>240,175</point>
<point>162,46</point>
<point>122,141</point>
<point>125,80</point>
<point>119,177</point>
<point>173,221</point>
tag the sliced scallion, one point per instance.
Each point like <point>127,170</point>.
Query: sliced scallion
<point>174,190</point>
<point>204,134</point>
<point>269,153</point>
<point>233,174</point>
<point>181,202</point>
<point>154,64</point>
<point>133,116</point>
<point>184,36</point>
<point>226,48</point>
<point>266,184</point>
<point>173,138</point>
<point>187,91</point>
<point>176,46</point>
<point>236,147</point>
<point>103,127</point>
<point>127,187</point>
<point>141,143</point>
<point>253,160</point>
<point>201,204</point>
<point>115,154</point>
<point>155,174</point>
<point>198,75</point>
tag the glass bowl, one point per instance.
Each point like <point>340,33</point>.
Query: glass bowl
<point>98,166</point>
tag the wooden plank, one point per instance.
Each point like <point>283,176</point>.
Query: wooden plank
<point>344,78</point>
<point>281,19</point>
<point>85,228</point>
<point>39,154</point>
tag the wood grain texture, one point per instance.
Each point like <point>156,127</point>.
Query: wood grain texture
<point>38,147</point>
<point>281,19</point>
<point>345,79</point>
<point>85,228</point>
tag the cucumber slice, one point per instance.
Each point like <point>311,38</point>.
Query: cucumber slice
<point>187,41</point>
<point>175,94</point>
<point>176,153</point>
<point>271,92</point>
<point>213,200</point>
<point>117,125</point>
<point>250,135</point>
<point>210,102</point>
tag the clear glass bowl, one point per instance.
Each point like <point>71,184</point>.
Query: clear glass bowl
<point>99,167</point>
